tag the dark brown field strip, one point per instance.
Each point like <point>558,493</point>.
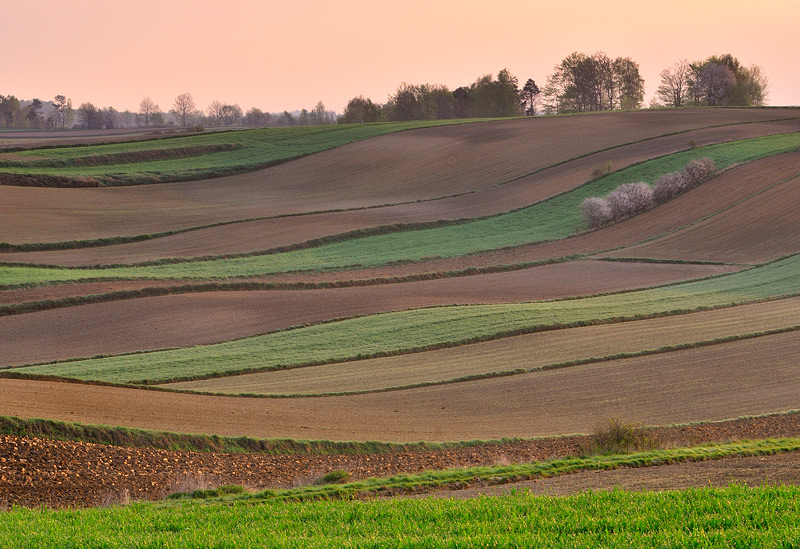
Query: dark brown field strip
<point>195,319</point>
<point>749,377</point>
<point>395,168</point>
<point>761,228</point>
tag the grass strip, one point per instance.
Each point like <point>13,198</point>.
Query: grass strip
<point>458,478</point>
<point>429,328</point>
<point>735,516</point>
<point>552,219</point>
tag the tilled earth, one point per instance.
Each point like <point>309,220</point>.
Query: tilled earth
<point>35,471</point>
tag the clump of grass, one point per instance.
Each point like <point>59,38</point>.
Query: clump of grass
<point>618,437</point>
<point>227,490</point>
<point>337,476</point>
<point>692,143</point>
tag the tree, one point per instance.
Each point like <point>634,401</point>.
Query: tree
<point>215,112</point>
<point>184,107</point>
<point>91,118</point>
<point>10,111</point>
<point>530,94</point>
<point>34,110</point>
<point>360,110</point>
<point>63,111</point>
<point>320,116</point>
<point>716,82</point>
<point>674,86</point>
<point>147,108</point>
<point>722,80</point>
<point>630,84</point>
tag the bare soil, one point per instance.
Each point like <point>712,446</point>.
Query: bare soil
<point>754,376</point>
<point>35,471</point>
<point>284,231</point>
<point>762,228</point>
<point>194,319</point>
<point>407,166</point>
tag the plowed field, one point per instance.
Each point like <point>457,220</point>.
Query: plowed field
<point>410,166</point>
<point>195,319</point>
<point>709,383</point>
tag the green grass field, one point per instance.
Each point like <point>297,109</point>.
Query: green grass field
<point>549,220</point>
<point>253,149</point>
<point>736,516</point>
<point>415,330</point>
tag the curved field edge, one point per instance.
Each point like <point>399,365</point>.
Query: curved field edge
<point>107,241</point>
<point>731,516</point>
<point>254,150</point>
<point>210,388</point>
<point>553,219</point>
<point>426,329</point>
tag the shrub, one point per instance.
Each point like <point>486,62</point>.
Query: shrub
<point>629,199</point>
<point>334,477</point>
<point>668,186</point>
<point>698,171</point>
<point>692,143</point>
<point>617,437</point>
<point>600,171</point>
<point>596,212</point>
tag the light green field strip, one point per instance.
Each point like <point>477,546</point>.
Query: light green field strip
<point>425,329</point>
<point>524,352</point>
<point>259,147</point>
<point>549,220</point>
<point>735,516</point>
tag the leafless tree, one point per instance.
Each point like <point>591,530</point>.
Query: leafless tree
<point>184,107</point>
<point>674,84</point>
<point>147,108</point>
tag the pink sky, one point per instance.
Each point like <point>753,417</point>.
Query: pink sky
<point>289,55</point>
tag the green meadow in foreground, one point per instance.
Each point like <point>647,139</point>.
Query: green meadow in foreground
<point>549,220</point>
<point>735,516</point>
<point>241,151</point>
<point>414,330</point>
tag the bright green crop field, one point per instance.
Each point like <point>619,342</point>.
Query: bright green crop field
<point>735,516</point>
<point>254,149</point>
<point>549,220</point>
<point>415,330</point>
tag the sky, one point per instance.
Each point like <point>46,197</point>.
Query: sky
<point>289,55</point>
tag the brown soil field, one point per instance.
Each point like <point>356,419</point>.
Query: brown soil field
<point>195,319</point>
<point>526,351</point>
<point>776,469</point>
<point>762,228</point>
<point>283,231</point>
<point>756,376</point>
<point>719,193</point>
<point>407,166</point>
<point>47,472</point>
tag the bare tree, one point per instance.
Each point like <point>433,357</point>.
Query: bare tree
<point>215,111</point>
<point>184,107</point>
<point>147,108</point>
<point>674,84</point>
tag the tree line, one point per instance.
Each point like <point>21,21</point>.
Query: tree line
<point>578,83</point>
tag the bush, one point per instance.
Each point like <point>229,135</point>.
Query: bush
<point>617,437</point>
<point>698,171</point>
<point>600,171</point>
<point>334,477</point>
<point>668,186</point>
<point>596,212</point>
<point>629,199</point>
